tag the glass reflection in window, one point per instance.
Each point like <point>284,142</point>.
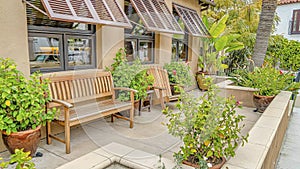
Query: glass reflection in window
<point>44,52</point>
<point>79,51</point>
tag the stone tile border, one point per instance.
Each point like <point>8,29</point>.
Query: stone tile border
<point>118,153</point>
<point>265,138</point>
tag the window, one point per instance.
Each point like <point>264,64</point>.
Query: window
<point>58,45</point>
<point>296,22</point>
<point>139,42</point>
<point>192,21</point>
<point>180,42</point>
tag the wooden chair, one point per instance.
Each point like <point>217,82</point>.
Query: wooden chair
<point>162,85</point>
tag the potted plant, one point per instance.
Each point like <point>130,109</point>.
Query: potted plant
<point>268,80</point>
<point>132,75</point>
<point>22,107</point>
<point>208,127</point>
<point>215,48</point>
<point>179,75</point>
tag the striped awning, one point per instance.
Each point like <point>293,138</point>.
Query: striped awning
<point>156,16</point>
<point>192,21</point>
<point>106,12</point>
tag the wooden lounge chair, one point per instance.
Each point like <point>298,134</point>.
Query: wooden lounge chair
<point>162,85</point>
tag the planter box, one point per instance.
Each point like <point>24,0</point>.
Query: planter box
<point>265,138</point>
<point>242,94</point>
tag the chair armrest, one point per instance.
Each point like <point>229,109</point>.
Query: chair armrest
<point>64,103</point>
<point>160,88</point>
<point>125,88</point>
<point>174,84</point>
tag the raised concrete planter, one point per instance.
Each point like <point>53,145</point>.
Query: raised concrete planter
<point>242,94</point>
<point>265,138</point>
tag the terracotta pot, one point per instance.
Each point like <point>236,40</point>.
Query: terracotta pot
<point>173,91</point>
<point>28,140</point>
<point>262,102</point>
<point>217,166</point>
<point>201,81</point>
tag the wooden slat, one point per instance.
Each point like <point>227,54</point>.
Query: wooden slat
<point>192,21</point>
<point>86,11</point>
<point>156,16</point>
<point>63,91</point>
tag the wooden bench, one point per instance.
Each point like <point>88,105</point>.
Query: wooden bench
<point>82,98</point>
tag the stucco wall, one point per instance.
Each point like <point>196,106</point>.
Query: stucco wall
<point>285,12</point>
<point>13,33</point>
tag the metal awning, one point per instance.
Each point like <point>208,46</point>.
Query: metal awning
<point>156,16</point>
<point>192,21</point>
<point>106,12</point>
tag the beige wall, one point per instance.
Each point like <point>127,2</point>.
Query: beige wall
<point>13,33</point>
<point>109,41</point>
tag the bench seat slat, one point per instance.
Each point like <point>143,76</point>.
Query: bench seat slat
<point>92,109</point>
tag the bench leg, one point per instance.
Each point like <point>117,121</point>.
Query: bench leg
<point>67,131</point>
<point>48,132</point>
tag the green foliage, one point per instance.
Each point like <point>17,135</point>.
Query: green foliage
<point>22,160</point>
<point>179,73</point>
<point>212,59</point>
<point>243,20</point>
<point>284,52</point>
<point>22,101</point>
<point>208,126</point>
<point>132,75</point>
<point>268,80</point>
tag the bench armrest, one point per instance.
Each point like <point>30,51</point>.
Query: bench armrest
<point>64,103</point>
<point>125,88</point>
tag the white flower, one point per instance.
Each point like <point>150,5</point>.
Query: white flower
<point>205,158</point>
<point>209,164</point>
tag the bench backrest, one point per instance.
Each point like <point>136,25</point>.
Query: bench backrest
<point>81,87</point>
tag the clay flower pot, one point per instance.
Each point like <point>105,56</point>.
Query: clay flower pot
<point>262,102</point>
<point>217,166</point>
<point>28,140</point>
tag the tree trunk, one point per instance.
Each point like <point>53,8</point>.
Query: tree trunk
<point>263,31</point>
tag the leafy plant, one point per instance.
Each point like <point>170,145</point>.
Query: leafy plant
<point>268,80</point>
<point>22,160</point>
<point>220,41</point>
<point>179,73</point>
<point>132,75</point>
<point>22,100</point>
<point>208,126</point>
<point>283,52</point>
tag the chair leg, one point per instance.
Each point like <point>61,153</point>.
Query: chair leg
<point>112,118</point>
<point>48,132</point>
<point>131,117</point>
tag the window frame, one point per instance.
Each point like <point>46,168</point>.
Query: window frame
<point>185,42</point>
<point>44,31</point>
<point>60,37</point>
<point>297,22</point>
<point>140,38</point>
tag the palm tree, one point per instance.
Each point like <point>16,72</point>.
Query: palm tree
<point>264,31</point>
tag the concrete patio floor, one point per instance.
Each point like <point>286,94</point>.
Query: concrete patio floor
<point>148,135</point>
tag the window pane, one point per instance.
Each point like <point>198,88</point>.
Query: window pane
<point>130,46</point>
<point>145,51</point>
<point>174,50</point>
<point>182,51</point>
<point>44,52</point>
<point>79,51</point>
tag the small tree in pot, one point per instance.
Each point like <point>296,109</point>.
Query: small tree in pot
<point>208,126</point>
<point>22,107</point>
